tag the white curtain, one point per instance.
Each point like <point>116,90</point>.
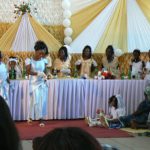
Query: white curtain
<point>25,37</point>
<point>77,5</point>
<point>138,28</point>
<point>92,34</point>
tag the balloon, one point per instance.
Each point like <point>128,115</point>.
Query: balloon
<point>68,31</point>
<point>66,4</point>
<point>66,23</point>
<point>67,14</point>
<point>67,40</point>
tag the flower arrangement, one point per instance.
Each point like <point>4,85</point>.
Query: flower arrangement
<point>104,74</point>
<point>23,8</point>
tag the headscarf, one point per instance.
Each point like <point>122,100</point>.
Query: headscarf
<point>147,92</point>
<point>120,101</point>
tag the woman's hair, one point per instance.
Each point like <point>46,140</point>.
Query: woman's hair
<point>113,98</point>
<point>90,51</point>
<point>40,45</point>
<point>110,47</point>
<point>9,138</point>
<point>63,48</point>
<point>137,51</point>
<point>69,138</point>
<point>0,54</point>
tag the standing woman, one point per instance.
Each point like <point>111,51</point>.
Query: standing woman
<point>147,68</point>
<point>38,88</point>
<point>4,85</point>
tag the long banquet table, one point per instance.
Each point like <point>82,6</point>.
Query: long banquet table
<point>76,98</point>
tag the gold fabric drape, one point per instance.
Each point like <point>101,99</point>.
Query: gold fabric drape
<point>44,35</point>
<point>145,6</point>
<point>116,30</point>
<point>4,27</point>
<point>7,40</point>
<point>83,18</point>
<point>56,30</point>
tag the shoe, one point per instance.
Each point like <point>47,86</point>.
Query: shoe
<point>41,124</point>
<point>29,121</point>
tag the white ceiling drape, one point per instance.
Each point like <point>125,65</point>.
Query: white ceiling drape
<point>93,33</point>
<point>25,37</point>
<point>138,28</point>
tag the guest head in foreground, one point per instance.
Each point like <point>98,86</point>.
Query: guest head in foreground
<point>69,138</point>
<point>9,138</point>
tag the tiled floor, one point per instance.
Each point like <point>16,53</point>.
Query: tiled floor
<point>136,143</point>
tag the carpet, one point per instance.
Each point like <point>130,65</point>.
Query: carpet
<point>28,132</point>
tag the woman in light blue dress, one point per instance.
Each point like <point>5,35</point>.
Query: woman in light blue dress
<point>38,87</point>
<point>4,85</point>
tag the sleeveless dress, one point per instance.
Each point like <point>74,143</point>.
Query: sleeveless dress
<point>38,90</point>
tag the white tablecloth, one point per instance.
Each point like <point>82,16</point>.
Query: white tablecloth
<point>76,98</point>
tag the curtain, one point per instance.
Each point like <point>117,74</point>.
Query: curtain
<point>145,6</point>
<point>138,28</point>
<point>83,18</point>
<point>25,37</point>
<point>91,35</point>
<point>44,35</point>
<point>7,40</point>
<point>116,30</point>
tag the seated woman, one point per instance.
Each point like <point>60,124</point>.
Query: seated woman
<point>4,85</point>
<point>117,109</point>
<point>110,62</point>
<point>136,65</point>
<point>147,68</point>
<point>38,88</point>
<point>86,65</point>
<point>61,65</point>
<point>13,65</point>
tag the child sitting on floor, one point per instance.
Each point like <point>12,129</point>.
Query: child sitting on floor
<point>117,109</point>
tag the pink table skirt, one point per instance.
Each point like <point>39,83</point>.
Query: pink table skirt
<point>76,98</point>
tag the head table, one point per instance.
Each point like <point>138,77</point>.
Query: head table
<point>76,98</point>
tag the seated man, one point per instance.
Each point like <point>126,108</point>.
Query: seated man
<point>138,119</point>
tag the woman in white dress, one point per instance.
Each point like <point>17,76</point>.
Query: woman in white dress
<point>38,88</point>
<point>4,85</point>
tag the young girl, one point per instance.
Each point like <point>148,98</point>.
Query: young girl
<point>13,64</point>
<point>136,65</point>
<point>61,65</point>
<point>117,109</point>
<point>86,64</point>
<point>38,88</point>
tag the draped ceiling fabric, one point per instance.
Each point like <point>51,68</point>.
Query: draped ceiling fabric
<point>23,34</point>
<point>83,18</point>
<point>126,28</point>
<point>123,23</point>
